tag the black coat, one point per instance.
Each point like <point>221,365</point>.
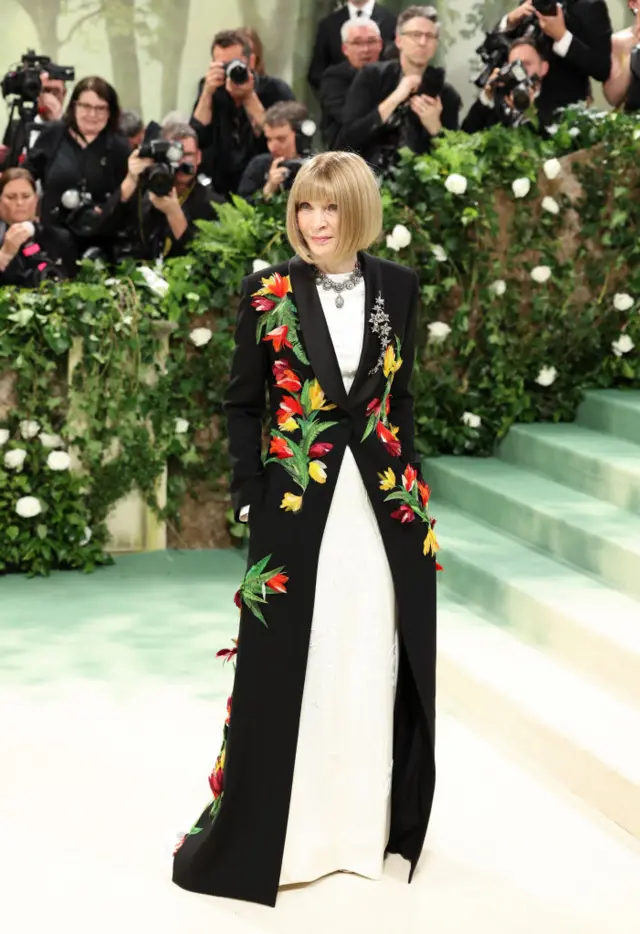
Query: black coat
<point>237,853</point>
<point>480,117</point>
<point>364,132</point>
<point>327,49</point>
<point>55,248</point>
<point>334,90</point>
<point>589,56</point>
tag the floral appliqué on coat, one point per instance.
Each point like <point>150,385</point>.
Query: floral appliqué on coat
<point>378,409</point>
<point>412,496</point>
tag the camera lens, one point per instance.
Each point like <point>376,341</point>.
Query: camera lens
<point>160,180</point>
<point>237,72</point>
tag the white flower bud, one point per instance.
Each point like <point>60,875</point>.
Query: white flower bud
<point>50,441</point>
<point>58,460</point>
<point>622,301</point>
<point>456,184</point>
<point>182,426</point>
<point>439,253</point>
<point>541,274</point>
<point>29,429</point>
<point>550,204</point>
<point>546,376</point>
<point>4,436</point>
<point>552,167</point>
<point>471,420</point>
<point>28,506</point>
<point>438,332</point>
<point>200,336</point>
<point>15,458</point>
<point>499,287</point>
<point>521,187</point>
<point>622,345</point>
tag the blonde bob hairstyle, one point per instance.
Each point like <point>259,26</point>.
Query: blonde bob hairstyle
<point>343,179</point>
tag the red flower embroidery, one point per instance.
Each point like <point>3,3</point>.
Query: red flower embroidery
<point>291,406</point>
<point>439,567</point>
<point>280,448</point>
<point>216,782</point>
<point>375,406</point>
<point>278,285</point>
<point>285,377</point>
<point>237,599</point>
<point>263,304</point>
<point>278,582</point>
<point>391,443</point>
<point>228,710</point>
<point>409,477</point>
<point>228,654</point>
<point>279,337</point>
<point>425,492</point>
<point>320,448</point>
<point>404,513</point>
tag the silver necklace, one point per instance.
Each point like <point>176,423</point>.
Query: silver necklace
<point>339,287</point>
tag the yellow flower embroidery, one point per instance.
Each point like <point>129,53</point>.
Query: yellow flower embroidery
<point>318,471</point>
<point>289,425</point>
<point>276,285</point>
<point>430,543</point>
<point>291,502</point>
<point>387,479</point>
<point>391,364</point>
<point>317,398</point>
<point>394,430</point>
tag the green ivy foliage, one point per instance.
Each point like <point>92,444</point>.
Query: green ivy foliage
<point>86,360</point>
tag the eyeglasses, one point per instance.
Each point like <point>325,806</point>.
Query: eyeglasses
<point>417,36</point>
<point>89,108</point>
<point>364,43</point>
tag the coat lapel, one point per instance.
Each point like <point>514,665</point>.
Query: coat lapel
<point>317,339</point>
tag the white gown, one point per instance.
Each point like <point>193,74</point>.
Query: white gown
<point>340,801</point>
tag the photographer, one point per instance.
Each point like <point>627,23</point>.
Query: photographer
<point>229,114</point>
<point>361,45</point>
<point>269,171</point>
<point>29,252</point>
<point>132,127</point>
<point>159,201</point>
<point>506,97</point>
<point>38,96</point>
<point>80,162</point>
<point>576,40</point>
<point>623,84</point>
<point>401,103</point>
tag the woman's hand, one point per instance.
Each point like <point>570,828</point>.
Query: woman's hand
<point>15,237</point>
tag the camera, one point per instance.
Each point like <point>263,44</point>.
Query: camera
<point>494,52</point>
<point>78,213</point>
<point>24,81</point>
<point>35,267</point>
<point>512,80</point>
<point>167,156</point>
<point>237,71</point>
<point>545,7</point>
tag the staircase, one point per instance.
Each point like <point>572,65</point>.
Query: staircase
<point>539,640</point>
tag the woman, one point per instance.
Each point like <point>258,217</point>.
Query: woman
<point>30,252</point>
<point>80,163</point>
<point>621,88</point>
<point>341,559</point>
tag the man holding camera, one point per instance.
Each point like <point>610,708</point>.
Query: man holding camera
<point>270,171</point>
<point>20,135</point>
<point>229,114</point>
<point>511,91</point>
<point>401,103</point>
<point>163,225</point>
<point>576,38</point>
<point>361,45</point>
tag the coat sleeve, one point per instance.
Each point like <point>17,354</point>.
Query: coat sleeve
<point>480,117</point>
<point>244,405</point>
<point>401,409</point>
<point>320,57</point>
<point>590,52</point>
<point>360,117</point>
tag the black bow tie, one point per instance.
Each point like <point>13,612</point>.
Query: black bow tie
<point>359,13</point>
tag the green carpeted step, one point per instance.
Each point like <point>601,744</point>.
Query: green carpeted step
<point>613,412</point>
<point>541,711</point>
<point>588,533</point>
<point>597,464</point>
<point>545,603</point>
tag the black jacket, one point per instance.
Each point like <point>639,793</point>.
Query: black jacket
<point>255,175</point>
<point>589,56</point>
<point>480,117</point>
<point>50,253</point>
<point>364,131</point>
<point>228,143</point>
<point>334,89</point>
<point>327,49</point>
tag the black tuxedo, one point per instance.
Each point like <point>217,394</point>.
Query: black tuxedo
<point>589,55</point>
<point>328,45</point>
<point>364,131</point>
<point>334,89</point>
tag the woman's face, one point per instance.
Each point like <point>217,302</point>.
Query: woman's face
<point>18,202</point>
<point>319,225</point>
<point>92,113</point>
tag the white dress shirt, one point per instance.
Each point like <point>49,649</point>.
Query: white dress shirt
<point>361,12</point>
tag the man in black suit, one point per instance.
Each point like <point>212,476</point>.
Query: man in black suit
<point>362,45</point>
<point>577,43</point>
<point>328,45</point>
<point>401,103</point>
<point>491,109</point>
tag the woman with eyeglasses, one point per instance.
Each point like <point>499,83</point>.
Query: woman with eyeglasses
<point>80,162</point>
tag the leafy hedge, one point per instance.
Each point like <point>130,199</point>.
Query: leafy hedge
<point>497,344</point>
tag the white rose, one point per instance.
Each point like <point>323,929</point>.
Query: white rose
<point>471,420</point>
<point>58,460</point>
<point>50,441</point>
<point>540,273</point>
<point>182,426</point>
<point>553,129</point>
<point>259,265</point>
<point>439,253</point>
<point>399,238</point>
<point>622,301</point>
<point>156,283</point>
<point>550,204</point>
<point>499,287</point>
<point>200,336</point>
<point>552,167</point>
<point>622,345</point>
<point>438,331</point>
<point>86,538</point>
<point>28,506</point>
<point>575,131</point>
<point>546,376</point>
<point>14,459</point>
<point>521,187</point>
<point>456,184</point>
<point>4,436</point>
<point>29,429</point>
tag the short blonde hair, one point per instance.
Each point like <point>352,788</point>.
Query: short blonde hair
<point>344,179</point>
